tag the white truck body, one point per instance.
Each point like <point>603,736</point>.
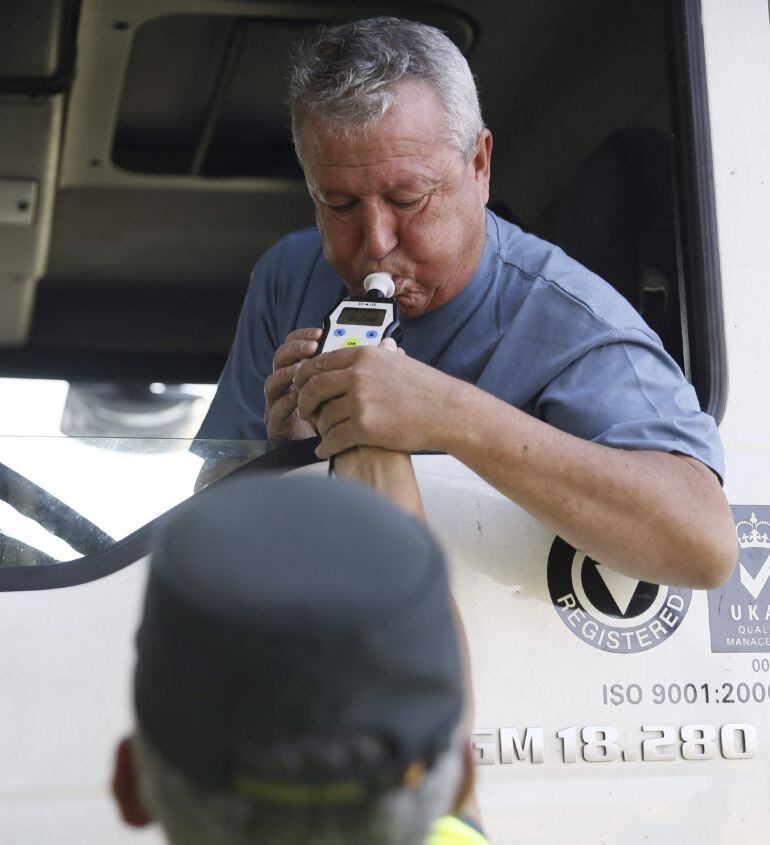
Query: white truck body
<point>603,714</point>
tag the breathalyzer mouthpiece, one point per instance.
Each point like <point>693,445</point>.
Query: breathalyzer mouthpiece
<point>379,283</point>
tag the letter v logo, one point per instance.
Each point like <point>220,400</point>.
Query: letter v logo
<point>756,585</point>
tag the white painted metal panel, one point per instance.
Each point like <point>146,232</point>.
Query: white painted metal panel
<point>67,698</point>
<point>65,702</point>
<point>531,670</point>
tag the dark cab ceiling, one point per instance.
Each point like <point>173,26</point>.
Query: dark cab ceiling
<point>164,169</point>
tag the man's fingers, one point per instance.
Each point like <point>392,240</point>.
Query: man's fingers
<point>389,343</point>
<point>283,408</point>
<point>293,351</point>
<point>338,439</point>
<point>339,359</point>
<point>321,389</point>
<point>304,334</point>
<point>332,413</point>
<point>299,344</point>
<point>278,382</point>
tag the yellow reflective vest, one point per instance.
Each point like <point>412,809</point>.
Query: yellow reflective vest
<point>449,830</point>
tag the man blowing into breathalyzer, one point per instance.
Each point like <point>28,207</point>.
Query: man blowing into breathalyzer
<point>519,362</point>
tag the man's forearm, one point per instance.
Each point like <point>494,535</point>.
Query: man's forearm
<point>652,515</point>
<point>389,473</point>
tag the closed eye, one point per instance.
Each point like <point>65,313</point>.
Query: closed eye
<point>341,209</point>
<point>407,203</point>
<point>347,206</point>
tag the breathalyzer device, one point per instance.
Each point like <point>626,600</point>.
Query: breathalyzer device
<point>363,322</point>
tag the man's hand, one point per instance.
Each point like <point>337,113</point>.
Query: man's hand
<point>367,396</point>
<point>281,418</point>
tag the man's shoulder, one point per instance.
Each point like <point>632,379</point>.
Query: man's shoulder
<point>294,263</point>
<point>560,285</point>
<point>300,245</point>
<point>294,282</point>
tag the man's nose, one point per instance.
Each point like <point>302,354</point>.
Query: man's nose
<point>380,230</point>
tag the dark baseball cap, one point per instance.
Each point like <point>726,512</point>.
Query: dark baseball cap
<point>278,608</point>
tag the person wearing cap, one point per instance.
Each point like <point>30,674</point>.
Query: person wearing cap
<point>299,676</point>
<point>520,363</point>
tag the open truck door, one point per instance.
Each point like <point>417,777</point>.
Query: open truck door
<point>607,709</point>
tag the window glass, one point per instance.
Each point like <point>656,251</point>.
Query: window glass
<point>62,498</point>
<point>50,407</point>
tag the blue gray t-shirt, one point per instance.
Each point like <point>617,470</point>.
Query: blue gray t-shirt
<point>533,327</point>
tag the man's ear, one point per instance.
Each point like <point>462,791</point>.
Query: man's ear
<point>482,160</point>
<point>125,786</point>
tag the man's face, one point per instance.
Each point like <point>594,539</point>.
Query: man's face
<point>399,199</point>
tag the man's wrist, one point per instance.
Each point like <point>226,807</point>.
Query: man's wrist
<point>456,427</point>
<point>387,472</point>
<point>372,465</point>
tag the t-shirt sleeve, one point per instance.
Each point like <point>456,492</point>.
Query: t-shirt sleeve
<point>237,410</point>
<point>630,394</point>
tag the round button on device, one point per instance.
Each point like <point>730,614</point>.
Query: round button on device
<point>352,341</point>
<point>339,332</point>
<point>372,333</point>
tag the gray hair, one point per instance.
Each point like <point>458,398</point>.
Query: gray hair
<point>192,814</point>
<point>348,73</point>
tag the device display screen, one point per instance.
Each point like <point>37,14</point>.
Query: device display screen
<point>361,317</point>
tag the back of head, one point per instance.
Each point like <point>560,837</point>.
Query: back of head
<point>348,76</point>
<point>192,814</point>
<point>298,674</point>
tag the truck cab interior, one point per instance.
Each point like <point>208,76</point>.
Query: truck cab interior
<point>146,164</point>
